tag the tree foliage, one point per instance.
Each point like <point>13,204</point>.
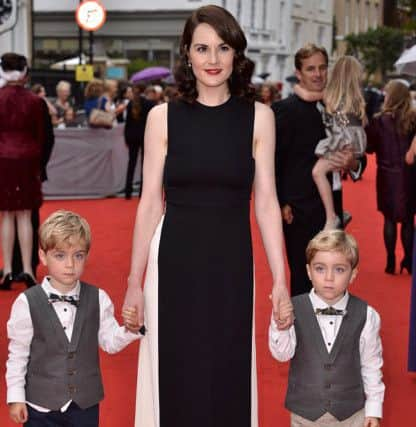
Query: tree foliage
<point>406,10</point>
<point>378,48</point>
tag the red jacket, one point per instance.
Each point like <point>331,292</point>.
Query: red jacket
<point>22,129</point>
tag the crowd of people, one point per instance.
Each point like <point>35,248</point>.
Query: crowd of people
<point>210,142</point>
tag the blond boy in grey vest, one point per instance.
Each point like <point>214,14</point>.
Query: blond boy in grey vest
<point>55,329</point>
<point>335,377</point>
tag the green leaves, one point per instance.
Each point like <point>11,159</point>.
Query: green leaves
<point>377,49</point>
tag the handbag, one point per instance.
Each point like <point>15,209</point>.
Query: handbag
<point>101,119</point>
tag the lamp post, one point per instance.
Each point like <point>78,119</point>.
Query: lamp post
<point>80,40</point>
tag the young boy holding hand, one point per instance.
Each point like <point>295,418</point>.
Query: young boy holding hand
<point>53,370</point>
<point>335,377</point>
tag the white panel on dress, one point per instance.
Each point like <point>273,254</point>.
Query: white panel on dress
<point>147,397</point>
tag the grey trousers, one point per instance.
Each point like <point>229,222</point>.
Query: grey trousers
<point>328,420</point>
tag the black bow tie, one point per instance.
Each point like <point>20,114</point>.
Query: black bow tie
<point>63,298</point>
<point>330,311</point>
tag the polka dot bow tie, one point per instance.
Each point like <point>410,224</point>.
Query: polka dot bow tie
<point>330,311</point>
<point>63,298</point>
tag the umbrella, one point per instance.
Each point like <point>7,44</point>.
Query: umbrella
<point>406,64</point>
<point>150,73</point>
<point>71,63</point>
<point>170,80</point>
<point>257,80</point>
<point>292,79</point>
<point>264,75</point>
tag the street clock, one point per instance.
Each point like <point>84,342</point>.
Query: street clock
<point>90,15</point>
<point>8,15</point>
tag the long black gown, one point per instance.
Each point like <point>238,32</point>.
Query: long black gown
<point>197,362</point>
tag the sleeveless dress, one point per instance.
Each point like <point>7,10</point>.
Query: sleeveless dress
<point>197,363</point>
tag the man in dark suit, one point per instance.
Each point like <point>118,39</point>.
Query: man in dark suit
<point>299,127</point>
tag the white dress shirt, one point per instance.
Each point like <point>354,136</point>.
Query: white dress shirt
<point>111,336</point>
<point>282,345</point>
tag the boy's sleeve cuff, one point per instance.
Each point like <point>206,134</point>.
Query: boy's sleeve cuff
<point>374,409</point>
<point>16,395</point>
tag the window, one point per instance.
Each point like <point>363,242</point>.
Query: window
<point>238,12</point>
<point>321,35</point>
<point>376,15</point>
<point>357,17</point>
<point>264,17</point>
<point>296,35</point>
<point>282,29</point>
<point>367,14</point>
<point>347,17</point>
<point>253,14</point>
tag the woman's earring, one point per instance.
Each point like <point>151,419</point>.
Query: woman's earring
<point>189,64</point>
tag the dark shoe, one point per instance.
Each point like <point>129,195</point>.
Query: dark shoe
<point>27,279</point>
<point>406,263</point>
<point>334,224</point>
<point>391,264</point>
<point>346,218</point>
<point>7,282</point>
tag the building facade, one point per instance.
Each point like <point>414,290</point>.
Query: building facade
<point>151,30</point>
<point>355,16</point>
<point>16,37</point>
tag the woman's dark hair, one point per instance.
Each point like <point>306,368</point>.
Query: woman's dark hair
<point>13,62</point>
<point>228,30</point>
<point>123,85</point>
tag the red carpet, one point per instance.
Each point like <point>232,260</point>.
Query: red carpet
<point>112,220</point>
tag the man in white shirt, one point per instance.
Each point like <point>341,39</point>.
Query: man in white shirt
<point>53,371</point>
<point>334,345</point>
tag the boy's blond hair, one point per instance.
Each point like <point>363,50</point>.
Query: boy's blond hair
<point>334,241</point>
<point>64,227</point>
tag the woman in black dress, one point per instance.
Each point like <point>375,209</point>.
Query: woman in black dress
<point>205,152</point>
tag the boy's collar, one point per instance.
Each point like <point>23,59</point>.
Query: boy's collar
<point>48,288</point>
<point>318,302</point>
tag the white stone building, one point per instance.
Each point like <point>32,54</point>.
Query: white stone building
<point>150,30</point>
<point>17,37</point>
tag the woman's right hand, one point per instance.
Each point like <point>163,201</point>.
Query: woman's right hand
<point>135,299</point>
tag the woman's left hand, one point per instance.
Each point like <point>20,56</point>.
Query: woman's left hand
<point>282,307</point>
<point>410,157</point>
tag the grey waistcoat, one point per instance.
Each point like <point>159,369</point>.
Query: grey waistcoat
<point>319,381</point>
<point>59,370</point>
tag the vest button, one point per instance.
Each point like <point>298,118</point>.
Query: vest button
<point>327,385</point>
<point>71,355</point>
<point>72,372</point>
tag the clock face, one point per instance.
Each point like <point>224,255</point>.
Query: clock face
<point>90,15</point>
<point>8,14</point>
